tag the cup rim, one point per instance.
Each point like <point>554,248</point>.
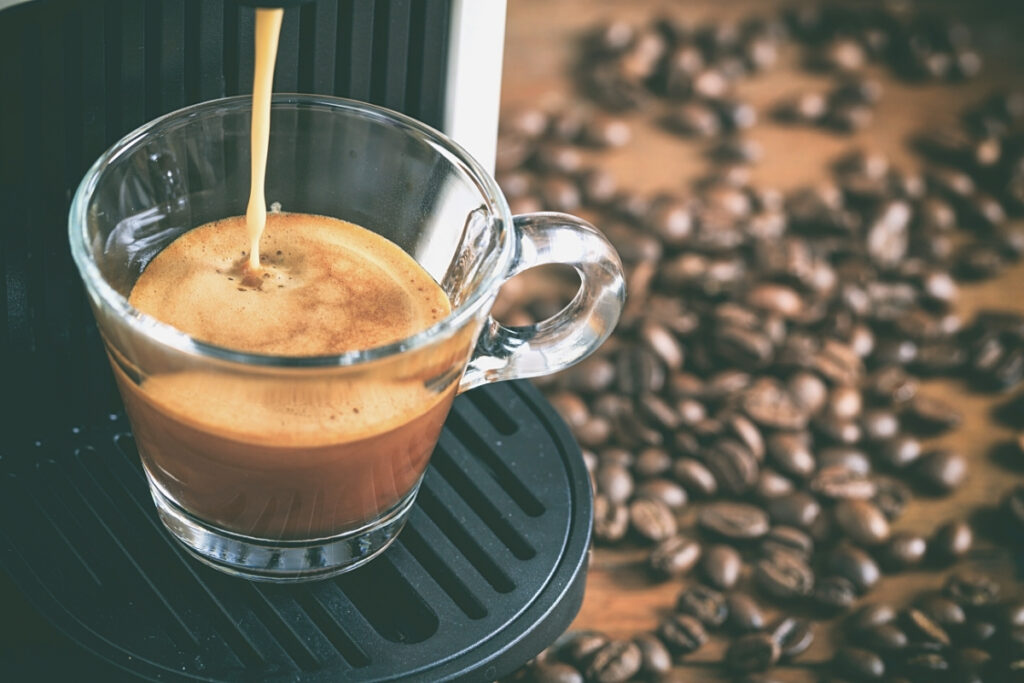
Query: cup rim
<point>168,335</point>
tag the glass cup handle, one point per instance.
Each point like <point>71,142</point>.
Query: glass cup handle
<point>573,333</point>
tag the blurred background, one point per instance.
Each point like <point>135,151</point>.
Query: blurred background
<point>818,205</point>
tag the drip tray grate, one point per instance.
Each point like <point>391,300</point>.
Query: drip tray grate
<point>489,570</point>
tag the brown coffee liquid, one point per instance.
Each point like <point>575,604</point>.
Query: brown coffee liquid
<point>300,455</point>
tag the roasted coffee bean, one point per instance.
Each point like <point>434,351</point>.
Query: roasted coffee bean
<point>883,638</point>
<point>837,430</point>
<point>691,412</point>
<point>921,628</point>
<point>972,589</point>
<point>675,556</point>
<point>607,131</point>
<point>696,119</point>
<point>654,656</point>
<point>1011,614</point>
<point>695,477</point>
<point>652,462</point>
<point>744,613</point>
<point>671,220</point>
<point>891,496</point>
<point>593,433</point>
<point>891,385</point>
<point>871,616</point>
<point>616,662</point>
<point>652,520</point>
<point>1013,504</point>
<point>845,403</point>
<point>657,412</point>
<point>784,575</point>
<point>925,664</point>
<point>593,375</point>
<point>615,482</point>
<point>682,633</point>
<point>611,520</point>
<point>858,663</point>
<point>853,563</point>
<point>639,371</point>
<point>798,509</point>
<point>862,522</point>
<point>942,611</point>
<point>737,521</point>
<point>615,456</point>
<point>770,484</point>
<point>834,593</point>
<point>752,652</point>
<point>582,647</point>
<point>663,343</point>
<point>904,550</point>
<point>667,492</point>
<point>849,457</point>
<point>879,425</point>
<point>571,407</point>
<point>769,404</point>
<point>951,541</point>
<point>722,565</point>
<point>899,452</point>
<point>733,465</point>
<point>793,635</point>
<point>748,434</point>
<point>931,415</point>
<point>808,390</point>
<point>976,632</point>
<point>790,452</point>
<point>704,603</point>
<point>839,482</point>
<point>789,540</point>
<point>941,471</point>
<point>554,672</point>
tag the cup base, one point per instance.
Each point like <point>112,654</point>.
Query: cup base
<point>281,561</point>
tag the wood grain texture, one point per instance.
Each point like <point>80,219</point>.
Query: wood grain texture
<point>541,45</point>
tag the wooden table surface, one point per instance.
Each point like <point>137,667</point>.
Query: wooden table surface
<point>541,44</point>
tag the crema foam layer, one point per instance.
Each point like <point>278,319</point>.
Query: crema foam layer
<point>325,287</point>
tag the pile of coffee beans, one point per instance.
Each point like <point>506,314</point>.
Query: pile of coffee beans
<point>755,422</point>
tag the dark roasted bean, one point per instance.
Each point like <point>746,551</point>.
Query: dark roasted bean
<point>615,662</point>
<point>752,652</point>
<point>834,593</point>
<point>951,541</point>
<point>904,550</point>
<point>615,482</point>
<point>793,635</point>
<point>770,404</point>
<point>704,603</point>
<point>891,496</point>
<point>651,519</point>
<point>554,672</point>
<point>583,646</point>
<point>941,471</point>
<point>871,616</point>
<point>611,520</point>
<point>883,638</point>
<point>854,564</point>
<point>738,521</point>
<point>682,633</point>
<point>654,656</point>
<point>972,589</point>
<point>921,628</point>
<point>798,509</point>
<point>932,415</point>
<point>695,477</point>
<point>790,452</point>
<point>784,575</point>
<point>899,452</point>
<point>722,565</point>
<point>859,664</point>
<point>925,664</point>
<point>839,482</point>
<point>744,613</point>
<point>770,484</point>
<point>733,465</point>
<point>787,539</point>
<point>675,556</point>
<point>667,492</point>
<point>942,611</point>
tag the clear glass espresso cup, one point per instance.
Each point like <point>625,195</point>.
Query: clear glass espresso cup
<point>294,468</point>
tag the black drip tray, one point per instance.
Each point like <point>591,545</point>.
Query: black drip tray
<point>489,570</point>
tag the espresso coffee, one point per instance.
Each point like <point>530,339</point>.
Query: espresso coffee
<point>291,456</point>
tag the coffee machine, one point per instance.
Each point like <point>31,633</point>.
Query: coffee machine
<point>491,566</point>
